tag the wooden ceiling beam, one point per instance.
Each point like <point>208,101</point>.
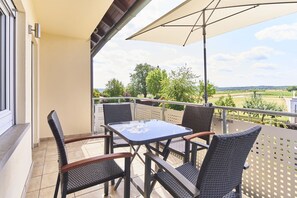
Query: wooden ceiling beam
<point>107,20</point>
<point>120,7</point>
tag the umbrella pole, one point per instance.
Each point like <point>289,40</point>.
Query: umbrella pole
<point>205,66</point>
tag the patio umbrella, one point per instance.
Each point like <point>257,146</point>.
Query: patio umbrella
<point>193,20</point>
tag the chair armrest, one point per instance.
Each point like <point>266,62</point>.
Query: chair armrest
<point>195,135</point>
<point>191,188</point>
<point>85,138</point>
<point>91,160</point>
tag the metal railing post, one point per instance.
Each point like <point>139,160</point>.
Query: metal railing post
<point>93,115</point>
<point>163,111</point>
<point>224,123</point>
<point>134,100</point>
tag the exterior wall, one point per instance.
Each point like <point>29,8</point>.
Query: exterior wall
<point>15,172</point>
<point>65,83</point>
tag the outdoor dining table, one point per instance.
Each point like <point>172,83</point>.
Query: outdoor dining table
<point>145,132</point>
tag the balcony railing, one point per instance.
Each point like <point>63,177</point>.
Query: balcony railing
<point>273,158</point>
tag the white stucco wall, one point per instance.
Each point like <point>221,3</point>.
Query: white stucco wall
<point>14,174</point>
<point>65,83</point>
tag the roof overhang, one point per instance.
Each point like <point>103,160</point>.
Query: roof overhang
<point>96,20</point>
<point>70,18</point>
<point>116,17</point>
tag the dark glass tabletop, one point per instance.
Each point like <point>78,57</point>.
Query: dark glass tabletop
<point>148,131</point>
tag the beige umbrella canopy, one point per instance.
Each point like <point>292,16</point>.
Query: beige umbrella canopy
<point>194,20</point>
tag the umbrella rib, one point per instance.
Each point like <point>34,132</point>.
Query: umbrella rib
<point>165,24</point>
<point>213,10</point>
<point>193,27</point>
<point>233,15</point>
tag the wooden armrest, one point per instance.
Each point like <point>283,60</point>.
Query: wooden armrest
<point>85,138</point>
<point>200,134</point>
<point>91,160</point>
<point>191,188</point>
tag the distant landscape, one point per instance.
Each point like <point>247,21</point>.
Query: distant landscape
<point>240,88</point>
<point>252,88</point>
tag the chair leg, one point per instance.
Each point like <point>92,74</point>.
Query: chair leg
<point>57,186</point>
<point>118,183</point>
<point>147,177</point>
<point>106,189</point>
<point>127,178</point>
<point>238,191</point>
<point>64,190</point>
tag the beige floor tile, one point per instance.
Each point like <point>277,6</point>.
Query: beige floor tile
<point>37,171</point>
<point>51,151</point>
<point>49,180</point>
<point>93,194</point>
<point>50,167</point>
<point>39,154</point>
<point>75,155</point>
<point>88,190</point>
<point>38,162</point>
<point>34,194</point>
<point>49,193</point>
<point>49,158</point>
<point>34,184</point>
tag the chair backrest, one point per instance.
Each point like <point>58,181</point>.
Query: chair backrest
<point>221,170</point>
<point>116,112</point>
<point>57,131</point>
<point>198,118</point>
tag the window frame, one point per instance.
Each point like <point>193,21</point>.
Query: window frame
<point>7,64</point>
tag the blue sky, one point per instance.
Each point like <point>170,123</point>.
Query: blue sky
<point>262,54</point>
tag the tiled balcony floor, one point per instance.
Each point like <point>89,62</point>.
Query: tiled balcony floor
<point>45,170</point>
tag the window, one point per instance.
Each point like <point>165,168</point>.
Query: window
<point>7,64</point>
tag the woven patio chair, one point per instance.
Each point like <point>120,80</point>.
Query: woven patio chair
<point>116,112</point>
<point>199,119</point>
<point>88,172</point>
<point>220,174</point>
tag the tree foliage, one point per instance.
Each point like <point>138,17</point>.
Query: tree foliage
<point>211,90</point>
<point>292,88</point>
<point>256,102</point>
<point>96,93</point>
<point>225,101</point>
<point>180,86</point>
<point>154,81</point>
<point>138,78</point>
<point>131,89</point>
<point>114,88</point>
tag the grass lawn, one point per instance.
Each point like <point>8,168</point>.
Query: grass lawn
<point>276,96</point>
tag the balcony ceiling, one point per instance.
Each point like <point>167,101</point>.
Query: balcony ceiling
<point>71,18</point>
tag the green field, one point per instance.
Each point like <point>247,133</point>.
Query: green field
<point>239,96</point>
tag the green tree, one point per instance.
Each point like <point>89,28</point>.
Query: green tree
<point>257,102</point>
<point>114,88</point>
<point>96,93</point>
<point>225,101</point>
<point>180,86</point>
<point>138,78</point>
<point>154,81</point>
<point>131,89</point>
<point>292,88</point>
<point>211,90</point>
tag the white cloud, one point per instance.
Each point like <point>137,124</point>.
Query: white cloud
<point>258,53</point>
<point>279,32</point>
<point>265,66</point>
